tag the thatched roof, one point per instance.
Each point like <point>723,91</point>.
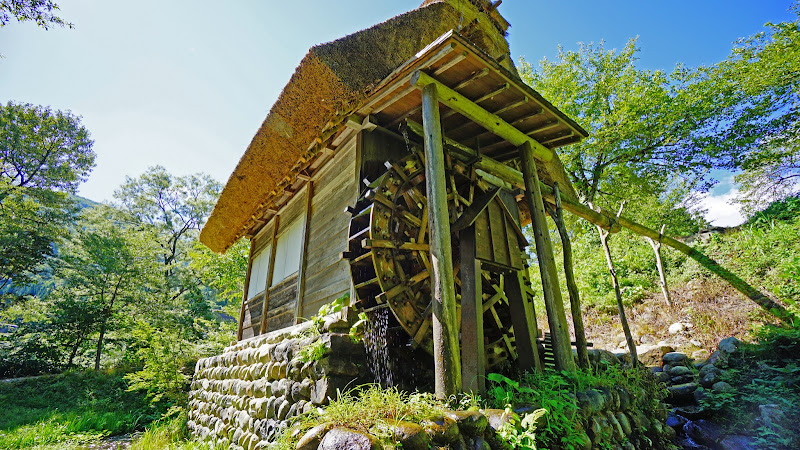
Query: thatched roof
<point>367,73</point>
<point>331,78</point>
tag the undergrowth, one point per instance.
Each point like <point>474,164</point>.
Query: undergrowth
<point>765,374</point>
<point>554,393</point>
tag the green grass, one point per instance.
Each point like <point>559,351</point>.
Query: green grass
<point>65,410</point>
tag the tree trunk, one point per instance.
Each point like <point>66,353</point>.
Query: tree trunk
<point>574,295</point>
<point>656,245</point>
<point>622,318</point>
<point>100,344</point>
<point>74,351</point>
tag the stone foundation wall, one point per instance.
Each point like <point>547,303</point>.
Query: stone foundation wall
<point>244,396</point>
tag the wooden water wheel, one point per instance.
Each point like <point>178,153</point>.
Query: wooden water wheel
<point>390,260</point>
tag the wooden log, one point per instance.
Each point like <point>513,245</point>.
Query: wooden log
<point>473,359</point>
<point>479,115</point>
<point>556,318</point>
<point>523,318</point>
<point>574,295</point>
<point>446,357</point>
<point>662,277</point>
<point>622,317</point>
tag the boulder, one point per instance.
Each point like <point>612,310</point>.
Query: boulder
<point>729,345</point>
<point>410,435</point>
<point>471,423</point>
<point>737,442</point>
<point>704,432</point>
<point>313,437</point>
<point>721,386</point>
<point>675,359</point>
<point>442,430</point>
<point>677,371</point>
<point>681,394</point>
<point>342,438</point>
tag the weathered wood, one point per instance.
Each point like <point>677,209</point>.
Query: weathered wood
<point>446,355</point>
<point>574,295</point>
<point>622,317</point>
<point>479,115</point>
<point>605,220</point>
<point>473,359</point>
<point>301,273</point>
<point>246,286</point>
<point>662,277</point>
<point>547,267</point>
<point>272,249</point>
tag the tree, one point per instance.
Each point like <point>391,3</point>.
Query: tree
<point>44,156</point>
<point>43,12</point>
<point>106,268</point>
<point>763,74</point>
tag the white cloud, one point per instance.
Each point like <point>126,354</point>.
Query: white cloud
<point>721,211</point>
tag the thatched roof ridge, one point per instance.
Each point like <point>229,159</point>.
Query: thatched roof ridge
<point>332,78</point>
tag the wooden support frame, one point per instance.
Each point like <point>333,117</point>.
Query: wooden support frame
<point>245,290</point>
<point>272,249</point>
<point>473,357</point>
<point>446,357</point>
<point>556,318</point>
<point>301,272</point>
<point>477,114</point>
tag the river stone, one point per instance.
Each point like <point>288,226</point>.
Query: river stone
<point>771,415</point>
<point>721,386</point>
<point>471,423</point>
<point>313,437</point>
<point>410,435</point>
<point>616,428</point>
<point>662,376</point>
<point>729,345</point>
<point>499,417</point>
<point>704,432</point>
<point>478,443</point>
<point>681,394</point>
<point>624,423</point>
<point>442,430</point>
<point>677,371</point>
<point>674,359</point>
<point>709,378</point>
<point>602,357</point>
<point>676,328</point>
<point>342,438</point>
<point>683,379</point>
<point>283,409</point>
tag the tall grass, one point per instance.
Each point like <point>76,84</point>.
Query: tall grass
<point>69,409</point>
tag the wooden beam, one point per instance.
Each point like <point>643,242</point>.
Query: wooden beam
<point>246,286</point>
<point>264,310</point>
<point>562,351</point>
<point>473,357</point>
<point>474,112</point>
<point>446,357</point>
<point>301,274</point>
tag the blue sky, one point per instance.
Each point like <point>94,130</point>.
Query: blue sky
<point>186,83</point>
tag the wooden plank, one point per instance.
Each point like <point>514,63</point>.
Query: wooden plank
<point>447,358</point>
<point>497,234</point>
<point>547,266</point>
<point>523,319</point>
<point>473,359</point>
<point>272,248</point>
<point>282,293</point>
<point>244,294</point>
<point>301,275</point>
<point>476,113</point>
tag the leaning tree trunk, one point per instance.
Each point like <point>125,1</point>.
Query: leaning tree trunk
<point>99,349</point>
<point>74,351</point>
<point>572,288</point>
<point>622,318</point>
<point>656,245</point>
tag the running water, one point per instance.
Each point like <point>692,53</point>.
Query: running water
<point>377,346</point>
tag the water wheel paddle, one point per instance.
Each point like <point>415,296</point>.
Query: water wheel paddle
<point>390,257</point>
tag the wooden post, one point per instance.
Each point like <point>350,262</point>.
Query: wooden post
<point>271,269</point>
<point>662,277</point>
<point>245,290</point>
<point>574,296</point>
<point>556,318</point>
<point>446,357</point>
<point>301,274</point>
<point>473,358</point>
<point>622,318</point>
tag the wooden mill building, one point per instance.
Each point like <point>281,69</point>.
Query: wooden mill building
<point>347,188</point>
